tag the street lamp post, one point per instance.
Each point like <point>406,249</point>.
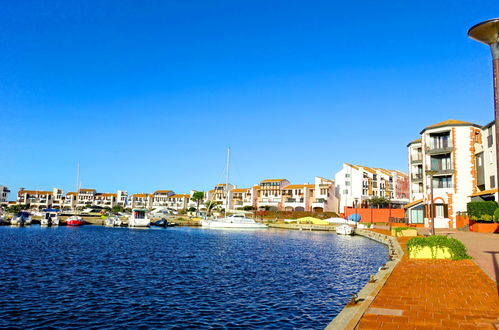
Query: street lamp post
<point>488,33</point>
<point>431,173</point>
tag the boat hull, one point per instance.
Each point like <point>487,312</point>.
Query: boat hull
<point>139,223</point>
<point>345,230</point>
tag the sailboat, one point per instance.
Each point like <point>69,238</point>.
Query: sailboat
<point>234,220</point>
<point>76,220</point>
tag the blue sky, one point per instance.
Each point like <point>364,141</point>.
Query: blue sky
<point>148,95</point>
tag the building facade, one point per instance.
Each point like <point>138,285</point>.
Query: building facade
<point>358,184</point>
<point>455,160</point>
<point>4,195</point>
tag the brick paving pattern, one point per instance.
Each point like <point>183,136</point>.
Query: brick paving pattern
<point>434,294</point>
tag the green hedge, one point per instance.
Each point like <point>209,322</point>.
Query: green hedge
<point>496,215</point>
<point>479,209</point>
<point>456,248</point>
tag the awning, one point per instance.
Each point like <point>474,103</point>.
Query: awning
<point>484,192</point>
<point>414,203</point>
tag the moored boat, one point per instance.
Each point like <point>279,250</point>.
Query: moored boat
<point>139,218</point>
<point>345,230</point>
<point>22,218</point>
<point>50,217</point>
<point>112,221</point>
<point>232,221</point>
<point>75,220</point>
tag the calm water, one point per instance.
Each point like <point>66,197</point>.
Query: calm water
<point>176,277</point>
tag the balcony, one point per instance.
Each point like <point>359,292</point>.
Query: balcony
<point>320,201</point>
<point>442,171</point>
<point>294,200</point>
<point>417,159</point>
<point>444,148</point>
<point>417,176</point>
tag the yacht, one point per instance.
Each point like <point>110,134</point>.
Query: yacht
<point>232,221</point>
<point>22,218</point>
<point>50,217</point>
<point>139,218</point>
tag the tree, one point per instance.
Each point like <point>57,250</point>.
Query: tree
<point>14,209</point>
<point>117,208</point>
<point>197,197</point>
<point>379,202</point>
<point>210,205</point>
<point>191,209</point>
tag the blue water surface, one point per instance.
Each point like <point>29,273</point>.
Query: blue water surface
<point>97,277</point>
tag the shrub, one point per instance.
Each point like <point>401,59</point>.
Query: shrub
<point>478,209</point>
<point>456,248</point>
<point>192,209</point>
<point>487,217</point>
<point>496,215</point>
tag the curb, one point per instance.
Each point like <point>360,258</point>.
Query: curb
<point>350,315</point>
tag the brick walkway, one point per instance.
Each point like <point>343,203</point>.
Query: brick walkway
<point>434,294</point>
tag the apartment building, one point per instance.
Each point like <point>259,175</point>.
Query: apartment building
<point>105,200</point>
<point>122,198</point>
<point>85,197</point>
<point>219,195</point>
<point>269,194</point>
<point>324,199</point>
<point>36,199</point>
<point>178,201</point>
<point>297,197</point>
<point>4,195</point>
<point>243,198</point>
<point>70,199</point>
<point>451,154</point>
<point>141,201</point>
<point>359,183</point>
<point>160,197</point>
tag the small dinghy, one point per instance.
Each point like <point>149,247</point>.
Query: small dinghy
<point>163,223</point>
<point>112,221</point>
<point>345,230</point>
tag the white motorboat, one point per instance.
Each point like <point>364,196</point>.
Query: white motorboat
<point>139,218</point>
<point>232,221</point>
<point>22,218</point>
<point>112,221</point>
<point>345,230</point>
<point>50,217</point>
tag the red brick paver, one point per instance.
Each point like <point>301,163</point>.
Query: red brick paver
<point>435,294</point>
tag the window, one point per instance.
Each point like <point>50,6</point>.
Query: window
<point>491,157</point>
<point>347,175</point>
<point>492,181</point>
<point>439,211</point>
<point>442,182</point>
<point>345,191</point>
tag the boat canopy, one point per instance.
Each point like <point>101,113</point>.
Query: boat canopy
<point>50,210</point>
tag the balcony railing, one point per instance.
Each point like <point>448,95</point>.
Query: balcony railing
<point>417,176</point>
<point>417,159</point>
<point>440,149</point>
<point>320,200</point>
<point>294,200</point>
<point>441,170</point>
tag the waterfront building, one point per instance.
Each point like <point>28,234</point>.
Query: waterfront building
<point>359,183</point>
<point>461,158</point>
<point>4,195</point>
<point>141,201</point>
<point>219,195</point>
<point>105,200</point>
<point>297,197</point>
<point>85,197</point>
<point>69,201</point>
<point>160,197</point>
<point>269,194</point>
<point>324,198</point>
<point>58,198</point>
<point>178,202</point>
<point>243,198</point>
<point>35,199</point>
<point>122,198</point>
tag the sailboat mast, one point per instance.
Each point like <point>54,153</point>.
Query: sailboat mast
<point>77,186</point>
<point>227,183</point>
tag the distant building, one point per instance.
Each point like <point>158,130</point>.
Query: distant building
<point>160,197</point>
<point>269,194</point>
<point>361,183</point>
<point>4,195</point>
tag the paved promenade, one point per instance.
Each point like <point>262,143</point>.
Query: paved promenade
<point>434,294</point>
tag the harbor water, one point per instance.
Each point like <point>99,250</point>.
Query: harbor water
<point>100,277</point>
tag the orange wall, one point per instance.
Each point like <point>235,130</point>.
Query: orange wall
<point>375,215</point>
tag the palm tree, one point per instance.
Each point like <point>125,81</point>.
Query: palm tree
<point>197,197</point>
<point>210,205</point>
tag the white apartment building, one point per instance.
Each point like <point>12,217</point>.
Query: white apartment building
<point>69,201</point>
<point>485,159</point>
<point>122,198</point>
<point>219,194</point>
<point>4,195</point>
<point>141,201</point>
<point>269,194</point>
<point>453,151</point>
<point>324,199</point>
<point>85,197</point>
<point>178,201</point>
<point>297,197</point>
<point>243,197</point>
<point>161,197</point>
<point>361,183</point>
<point>36,199</point>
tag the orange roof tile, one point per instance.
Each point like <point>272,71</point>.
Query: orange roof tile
<point>450,122</point>
<point>273,180</point>
<point>240,190</point>
<point>34,192</point>
<point>180,196</point>
<point>72,193</point>
<point>86,190</point>
<point>162,191</point>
